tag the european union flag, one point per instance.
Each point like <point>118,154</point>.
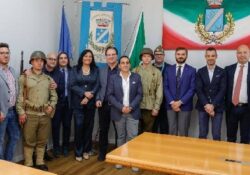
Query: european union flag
<point>65,42</point>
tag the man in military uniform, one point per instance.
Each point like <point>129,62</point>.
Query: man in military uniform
<point>35,104</point>
<point>152,90</point>
<point>161,122</point>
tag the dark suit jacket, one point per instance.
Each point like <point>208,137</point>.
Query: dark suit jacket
<point>103,77</point>
<point>187,86</point>
<point>211,92</point>
<point>80,84</point>
<point>230,70</point>
<point>115,95</point>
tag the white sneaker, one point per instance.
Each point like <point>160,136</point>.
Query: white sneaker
<point>86,156</point>
<point>135,169</point>
<point>118,166</point>
<point>79,159</point>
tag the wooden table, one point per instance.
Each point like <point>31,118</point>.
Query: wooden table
<point>183,155</point>
<point>9,168</point>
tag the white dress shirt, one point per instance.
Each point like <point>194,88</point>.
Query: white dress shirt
<point>125,88</point>
<point>182,68</point>
<point>210,73</point>
<point>243,90</point>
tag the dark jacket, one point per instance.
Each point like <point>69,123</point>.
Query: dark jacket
<point>115,95</point>
<point>211,92</point>
<point>80,84</point>
<point>187,87</point>
<point>230,71</point>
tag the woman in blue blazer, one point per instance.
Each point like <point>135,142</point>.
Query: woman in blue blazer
<point>84,86</point>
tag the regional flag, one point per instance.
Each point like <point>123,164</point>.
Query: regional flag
<point>197,24</point>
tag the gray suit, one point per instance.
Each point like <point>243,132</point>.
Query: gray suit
<point>103,73</point>
<point>5,90</point>
<point>104,111</point>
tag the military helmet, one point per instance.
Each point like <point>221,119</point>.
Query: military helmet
<point>147,51</point>
<point>37,55</point>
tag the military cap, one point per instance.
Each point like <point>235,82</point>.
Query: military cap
<point>147,51</point>
<point>159,50</point>
<point>37,55</point>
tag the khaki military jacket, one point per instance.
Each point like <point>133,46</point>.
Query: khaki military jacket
<point>39,95</point>
<point>152,87</point>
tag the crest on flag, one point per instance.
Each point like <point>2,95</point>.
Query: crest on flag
<point>214,31</point>
<point>101,33</point>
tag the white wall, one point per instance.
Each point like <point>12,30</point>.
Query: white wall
<point>30,25</point>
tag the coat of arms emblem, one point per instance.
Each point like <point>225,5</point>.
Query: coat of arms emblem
<point>102,33</point>
<point>214,30</point>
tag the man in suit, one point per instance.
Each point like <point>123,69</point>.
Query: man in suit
<point>179,89</point>
<point>238,96</point>
<point>125,94</point>
<point>210,88</point>
<point>8,116</point>
<point>161,121</point>
<point>109,69</point>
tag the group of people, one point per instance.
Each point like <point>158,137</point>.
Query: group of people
<point>153,97</point>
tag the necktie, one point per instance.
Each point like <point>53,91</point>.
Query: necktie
<point>178,81</point>
<point>237,88</point>
<point>64,82</point>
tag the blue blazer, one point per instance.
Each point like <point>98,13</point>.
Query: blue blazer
<point>115,95</point>
<point>187,86</point>
<point>211,92</point>
<point>80,83</point>
<point>230,71</point>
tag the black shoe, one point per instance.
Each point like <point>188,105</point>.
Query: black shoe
<point>56,153</point>
<point>42,167</point>
<point>101,157</point>
<point>47,157</point>
<point>65,152</point>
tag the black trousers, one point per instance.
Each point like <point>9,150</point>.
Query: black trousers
<point>161,121</point>
<point>63,115</point>
<point>104,123</point>
<point>236,115</point>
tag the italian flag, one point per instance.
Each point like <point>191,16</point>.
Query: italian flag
<point>180,19</point>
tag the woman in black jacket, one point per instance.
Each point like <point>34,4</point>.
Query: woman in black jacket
<point>84,86</point>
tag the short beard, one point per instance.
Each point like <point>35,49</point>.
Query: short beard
<point>181,62</point>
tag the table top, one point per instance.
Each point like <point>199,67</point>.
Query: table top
<point>10,168</point>
<point>183,155</point>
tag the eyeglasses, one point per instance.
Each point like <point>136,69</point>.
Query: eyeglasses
<point>52,59</point>
<point>4,53</point>
<point>111,55</point>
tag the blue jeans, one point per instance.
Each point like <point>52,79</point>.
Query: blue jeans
<point>11,128</point>
<point>204,125</point>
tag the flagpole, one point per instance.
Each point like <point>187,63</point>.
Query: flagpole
<point>135,30</point>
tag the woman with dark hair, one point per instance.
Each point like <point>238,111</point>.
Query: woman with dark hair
<point>63,112</point>
<point>84,86</point>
